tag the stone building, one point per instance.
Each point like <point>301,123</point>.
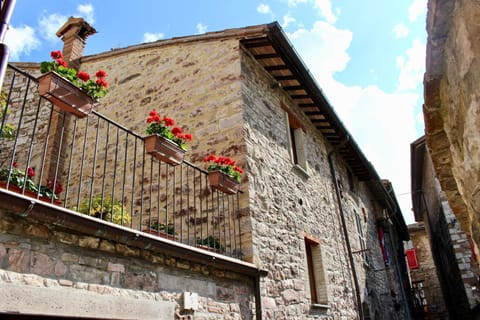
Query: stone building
<point>429,302</point>
<point>451,249</point>
<point>452,108</point>
<point>313,232</point>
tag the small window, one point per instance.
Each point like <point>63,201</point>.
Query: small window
<point>351,183</point>
<point>316,271</point>
<point>361,237</point>
<point>297,140</point>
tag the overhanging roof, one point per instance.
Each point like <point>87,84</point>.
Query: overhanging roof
<point>274,52</point>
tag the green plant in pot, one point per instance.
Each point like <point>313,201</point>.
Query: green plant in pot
<point>105,208</point>
<point>210,242</point>
<point>158,226</point>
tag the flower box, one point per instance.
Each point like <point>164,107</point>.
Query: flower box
<point>221,181</point>
<point>164,149</point>
<point>64,94</point>
<point>160,233</point>
<point>28,193</point>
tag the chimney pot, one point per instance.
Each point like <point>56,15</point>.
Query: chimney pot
<point>74,34</point>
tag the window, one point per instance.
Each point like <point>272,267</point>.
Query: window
<point>361,237</point>
<point>419,300</point>
<point>296,139</point>
<point>316,272</point>
<point>351,183</point>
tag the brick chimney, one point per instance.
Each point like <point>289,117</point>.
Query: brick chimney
<point>74,34</point>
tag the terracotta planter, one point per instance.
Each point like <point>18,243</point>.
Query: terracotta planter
<point>28,193</point>
<point>164,149</point>
<point>161,234</point>
<point>221,181</point>
<point>64,94</point>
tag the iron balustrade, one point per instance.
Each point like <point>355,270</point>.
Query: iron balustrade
<point>103,170</point>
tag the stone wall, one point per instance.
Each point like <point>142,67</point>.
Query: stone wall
<point>456,268</point>
<point>73,267</point>
<point>452,109</point>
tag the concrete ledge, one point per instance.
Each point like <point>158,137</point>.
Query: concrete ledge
<point>68,302</point>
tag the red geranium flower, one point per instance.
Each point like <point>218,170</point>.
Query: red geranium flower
<point>56,55</point>
<point>102,82</point>
<point>177,131</point>
<point>238,169</point>
<point>61,62</point>
<point>84,76</point>
<point>168,121</point>
<point>188,136</point>
<point>52,183</point>
<point>101,74</point>
<point>30,172</point>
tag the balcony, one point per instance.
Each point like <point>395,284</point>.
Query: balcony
<point>105,174</point>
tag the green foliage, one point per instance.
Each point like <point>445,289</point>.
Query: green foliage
<point>105,208</point>
<point>8,131</point>
<point>158,226</point>
<point>229,170</point>
<point>210,242</point>
<point>18,178</point>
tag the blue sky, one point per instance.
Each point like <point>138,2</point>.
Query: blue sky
<point>367,56</point>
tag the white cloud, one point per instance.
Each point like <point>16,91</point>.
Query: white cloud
<point>400,31</point>
<point>417,8</point>
<point>49,25</point>
<point>20,41</point>
<point>325,7</point>
<point>201,28</point>
<point>263,8</point>
<point>324,47</point>
<point>287,19</point>
<point>86,11</point>
<point>412,66</point>
<point>294,3</point>
<point>151,37</point>
<point>382,123</point>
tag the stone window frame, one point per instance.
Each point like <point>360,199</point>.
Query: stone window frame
<point>317,278</point>
<point>296,139</point>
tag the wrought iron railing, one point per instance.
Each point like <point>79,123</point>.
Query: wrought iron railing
<point>103,170</point>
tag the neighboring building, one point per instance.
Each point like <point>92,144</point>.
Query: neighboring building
<point>452,253</point>
<point>427,292</point>
<point>452,106</point>
<point>314,232</point>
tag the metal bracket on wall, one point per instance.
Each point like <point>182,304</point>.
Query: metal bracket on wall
<point>27,211</point>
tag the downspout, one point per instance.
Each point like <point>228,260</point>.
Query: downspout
<point>345,231</point>
<point>258,297</point>
<point>6,13</point>
<point>399,274</point>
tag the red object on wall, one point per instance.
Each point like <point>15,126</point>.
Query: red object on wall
<point>412,259</point>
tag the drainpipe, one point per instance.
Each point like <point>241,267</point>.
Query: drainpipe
<point>345,232</point>
<point>258,297</point>
<point>6,13</point>
<point>398,272</point>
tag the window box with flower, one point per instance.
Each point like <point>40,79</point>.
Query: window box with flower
<point>163,143</point>
<point>223,174</point>
<point>70,91</point>
<point>21,182</point>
